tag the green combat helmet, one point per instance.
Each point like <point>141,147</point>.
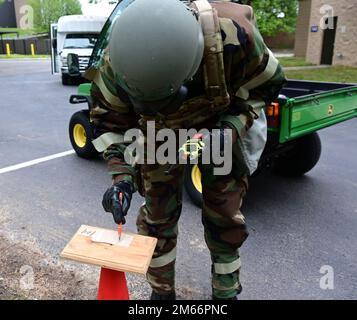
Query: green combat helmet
<point>155,47</point>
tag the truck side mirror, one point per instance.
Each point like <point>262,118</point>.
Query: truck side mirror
<point>54,44</point>
<point>73,64</point>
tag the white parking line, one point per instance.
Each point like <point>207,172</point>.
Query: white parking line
<point>36,161</point>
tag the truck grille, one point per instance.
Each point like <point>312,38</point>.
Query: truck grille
<point>83,62</point>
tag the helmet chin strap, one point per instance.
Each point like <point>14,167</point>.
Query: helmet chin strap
<point>164,106</point>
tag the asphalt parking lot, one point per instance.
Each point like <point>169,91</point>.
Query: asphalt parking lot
<point>296,225</point>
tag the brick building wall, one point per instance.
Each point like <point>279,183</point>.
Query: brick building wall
<point>346,38</point>
<point>7,15</point>
<point>345,48</point>
<point>302,32</point>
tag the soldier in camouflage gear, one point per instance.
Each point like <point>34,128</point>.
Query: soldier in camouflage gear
<point>253,79</point>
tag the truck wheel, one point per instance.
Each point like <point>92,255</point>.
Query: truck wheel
<point>193,184</point>
<point>81,135</point>
<point>304,156</point>
<point>66,80</point>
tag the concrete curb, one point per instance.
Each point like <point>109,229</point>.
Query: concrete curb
<point>307,68</point>
<point>26,59</point>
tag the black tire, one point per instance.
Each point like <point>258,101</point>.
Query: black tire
<point>66,79</point>
<point>81,135</point>
<point>301,159</point>
<point>192,191</point>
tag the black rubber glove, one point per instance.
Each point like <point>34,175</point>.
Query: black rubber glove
<point>119,207</point>
<point>220,136</point>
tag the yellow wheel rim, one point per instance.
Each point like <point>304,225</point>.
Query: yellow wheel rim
<point>79,135</point>
<point>196,178</point>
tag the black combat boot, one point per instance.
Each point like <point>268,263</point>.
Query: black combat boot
<point>228,299</point>
<point>167,296</point>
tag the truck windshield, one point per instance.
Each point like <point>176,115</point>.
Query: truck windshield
<point>80,41</point>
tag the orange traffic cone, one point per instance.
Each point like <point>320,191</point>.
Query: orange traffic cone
<point>112,285</point>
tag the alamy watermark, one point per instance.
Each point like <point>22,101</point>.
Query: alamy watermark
<point>327,20</point>
<point>27,17</point>
<point>327,281</point>
<point>163,147</point>
<point>27,280</point>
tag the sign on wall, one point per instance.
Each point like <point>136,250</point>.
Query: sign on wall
<point>314,28</point>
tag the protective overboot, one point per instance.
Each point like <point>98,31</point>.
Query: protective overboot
<point>169,296</point>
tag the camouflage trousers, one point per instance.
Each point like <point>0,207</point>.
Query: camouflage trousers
<point>224,225</point>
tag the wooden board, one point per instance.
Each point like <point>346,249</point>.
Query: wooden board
<point>134,255</point>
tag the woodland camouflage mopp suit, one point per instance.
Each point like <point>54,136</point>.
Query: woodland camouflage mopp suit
<point>207,67</point>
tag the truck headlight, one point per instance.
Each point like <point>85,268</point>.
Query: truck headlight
<point>64,61</point>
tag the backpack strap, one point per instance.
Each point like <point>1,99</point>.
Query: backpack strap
<point>213,67</point>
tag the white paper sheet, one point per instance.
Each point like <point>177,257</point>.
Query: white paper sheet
<point>112,238</point>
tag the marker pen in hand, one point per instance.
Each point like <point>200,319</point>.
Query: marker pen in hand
<point>120,225</point>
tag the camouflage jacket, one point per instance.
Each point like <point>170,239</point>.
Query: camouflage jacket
<point>253,77</point>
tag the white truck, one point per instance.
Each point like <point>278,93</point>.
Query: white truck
<point>74,34</point>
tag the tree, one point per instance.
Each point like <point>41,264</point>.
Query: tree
<point>274,16</point>
<point>49,11</point>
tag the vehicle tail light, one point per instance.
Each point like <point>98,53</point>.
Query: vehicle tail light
<point>273,115</point>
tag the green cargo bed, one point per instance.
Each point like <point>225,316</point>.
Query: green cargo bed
<point>312,106</point>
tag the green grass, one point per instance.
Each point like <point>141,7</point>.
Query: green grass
<point>294,62</point>
<point>331,74</point>
<point>22,32</point>
<point>22,56</point>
